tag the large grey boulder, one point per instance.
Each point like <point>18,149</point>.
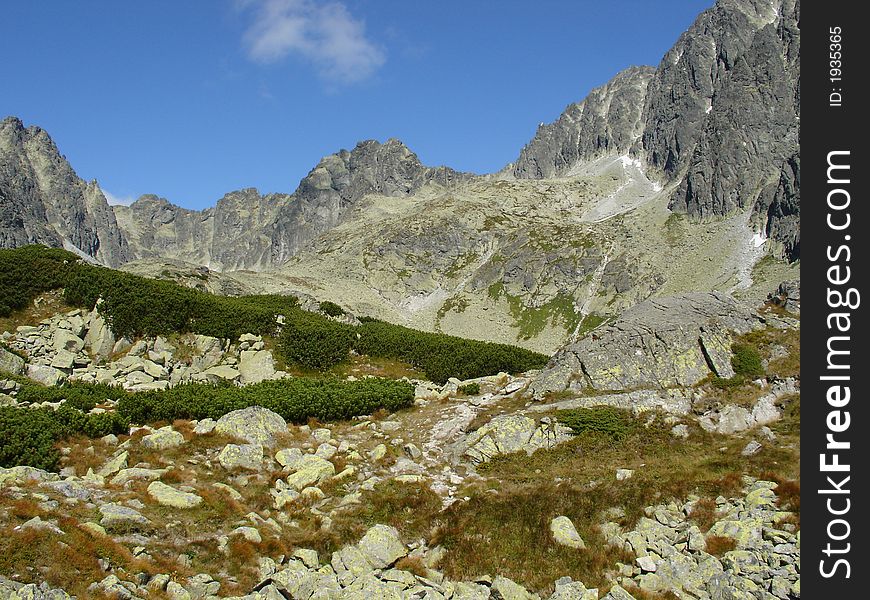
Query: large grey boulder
<point>256,366</point>
<point>382,546</point>
<point>11,363</point>
<point>99,340</point>
<point>45,374</point>
<point>254,424</point>
<point>661,343</point>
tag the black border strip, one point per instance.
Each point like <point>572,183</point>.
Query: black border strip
<point>832,120</point>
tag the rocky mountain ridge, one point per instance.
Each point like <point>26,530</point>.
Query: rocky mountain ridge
<point>679,178</point>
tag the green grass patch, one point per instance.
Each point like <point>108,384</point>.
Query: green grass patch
<point>615,423</point>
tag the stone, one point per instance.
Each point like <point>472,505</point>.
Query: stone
<point>45,374</point>
<point>66,340</point>
<point>680,431</point>
<point>125,476</point>
<point>308,557</point>
<point>654,344</point>
<point>256,366</point>
<point>751,448</point>
<point>254,424</point>
<point>765,411</point>
<point>289,457</point>
<point>249,533</point>
<point>310,470</point>
<point>617,592</point>
<point>169,496</point>
<point>244,456</point>
<point>222,372</point>
<point>23,475</point>
<point>382,546</point>
<point>205,426</point>
<point>565,533</point>
<point>573,590</point>
<point>378,453</point>
<point>11,363</point>
<point>99,340</point>
<point>412,451</point>
<point>321,435</point>
<point>734,419</point>
<point>647,564</point>
<point>325,451</point>
<point>113,465</point>
<point>506,589</point>
<point>116,517</point>
<point>163,439</point>
<point>623,474</point>
<point>175,591</point>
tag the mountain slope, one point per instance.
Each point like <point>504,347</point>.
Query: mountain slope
<point>42,200</point>
<point>719,118</point>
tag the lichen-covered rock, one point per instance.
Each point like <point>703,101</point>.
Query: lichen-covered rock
<point>254,424</point>
<point>256,366</point>
<point>244,456</point>
<point>11,363</point>
<point>169,496</point>
<point>564,533</point>
<point>382,546</point>
<point>506,589</point>
<point>45,374</point>
<point>117,517</point>
<point>660,343</point>
<point>310,470</point>
<point>163,439</point>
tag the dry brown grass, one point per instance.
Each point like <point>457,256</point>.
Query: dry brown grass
<point>44,306</point>
<point>412,564</point>
<point>704,513</point>
<point>718,545</point>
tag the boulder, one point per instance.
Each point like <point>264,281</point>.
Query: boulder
<point>222,372</point>
<point>45,375</point>
<point>565,534</point>
<point>63,359</point>
<point>244,456</point>
<point>11,363</point>
<point>506,589</point>
<point>169,496</point>
<point>66,340</point>
<point>310,470</point>
<point>118,517</point>
<point>254,424</point>
<point>256,366</point>
<point>99,341</point>
<point>382,546</point>
<point>660,343</point>
<point>163,439</point>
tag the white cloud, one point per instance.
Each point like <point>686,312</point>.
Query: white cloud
<point>114,200</point>
<point>324,33</point>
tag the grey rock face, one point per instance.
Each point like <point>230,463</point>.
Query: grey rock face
<point>749,138</point>
<point>607,121</point>
<point>43,201</point>
<point>719,117</point>
<point>246,230</point>
<point>660,343</point>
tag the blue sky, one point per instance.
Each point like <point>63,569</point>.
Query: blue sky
<point>192,99</point>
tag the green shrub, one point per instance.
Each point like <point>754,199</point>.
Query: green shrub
<point>28,271</point>
<point>315,342</point>
<point>615,423</point>
<point>443,356</point>
<point>331,308</point>
<point>29,436</point>
<point>469,389</point>
<point>746,361</point>
<point>295,399</point>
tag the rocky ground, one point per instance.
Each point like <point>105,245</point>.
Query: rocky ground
<point>478,491</point>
